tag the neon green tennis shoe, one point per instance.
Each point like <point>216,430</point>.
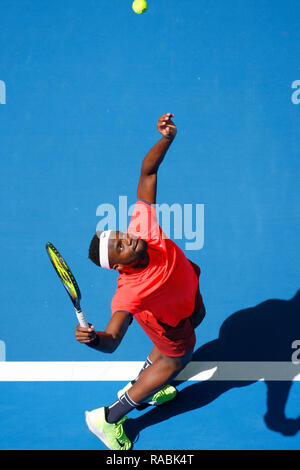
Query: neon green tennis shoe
<point>111,434</point>
<point>164,395</point>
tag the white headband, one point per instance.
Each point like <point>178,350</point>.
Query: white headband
<point>103,249</point>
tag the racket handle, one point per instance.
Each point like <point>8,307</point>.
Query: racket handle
<point>81,318</point>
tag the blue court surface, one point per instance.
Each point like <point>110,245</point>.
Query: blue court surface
<point>82,84</point>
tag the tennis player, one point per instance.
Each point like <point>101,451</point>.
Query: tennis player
<point>158,287</point>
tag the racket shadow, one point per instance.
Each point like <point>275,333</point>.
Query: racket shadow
<point>263,333</point>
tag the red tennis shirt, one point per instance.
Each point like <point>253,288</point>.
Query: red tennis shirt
<point>161,297</point>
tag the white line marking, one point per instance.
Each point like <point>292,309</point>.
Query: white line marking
<point>125,371</point>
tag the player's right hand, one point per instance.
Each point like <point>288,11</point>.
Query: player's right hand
<point>166,126</point>
<point>85,335</point>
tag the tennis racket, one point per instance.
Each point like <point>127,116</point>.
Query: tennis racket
<point>65,275</point>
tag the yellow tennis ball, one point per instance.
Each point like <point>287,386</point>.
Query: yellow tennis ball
<point>139,6</point>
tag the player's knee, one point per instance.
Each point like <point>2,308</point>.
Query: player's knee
<point>178,365</point>
<point>155,355</point>
<point>173,364</point>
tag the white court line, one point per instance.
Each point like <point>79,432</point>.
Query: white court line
<point>125,371</point>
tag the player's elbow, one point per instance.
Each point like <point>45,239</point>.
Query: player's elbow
<point>113,349</point>
<point>115,343</point>
<point>109,349</point>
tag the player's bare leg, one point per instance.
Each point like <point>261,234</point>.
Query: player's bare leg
<point>165,394</point>
<point>154,354</point>
<point>152,379</point>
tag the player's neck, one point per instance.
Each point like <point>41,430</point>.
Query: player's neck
<point>140,266</point>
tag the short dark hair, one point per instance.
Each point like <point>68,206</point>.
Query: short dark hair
<point>94,250</point>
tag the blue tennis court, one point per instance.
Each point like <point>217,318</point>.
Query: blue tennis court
<point>82,85</point>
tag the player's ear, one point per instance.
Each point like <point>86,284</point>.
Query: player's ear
<point>117,267</point>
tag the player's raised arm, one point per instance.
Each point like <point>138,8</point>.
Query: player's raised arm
<point>105,341</point>
<point>148,178</point>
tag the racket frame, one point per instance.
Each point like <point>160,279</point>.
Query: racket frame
<point>75,300</point>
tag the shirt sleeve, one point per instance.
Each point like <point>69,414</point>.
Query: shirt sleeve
<point>122,302</point>
<point>144,224</point>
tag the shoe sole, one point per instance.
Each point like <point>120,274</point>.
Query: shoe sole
<point>96,431</point>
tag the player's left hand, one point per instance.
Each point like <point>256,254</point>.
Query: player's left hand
<point>166,126</point>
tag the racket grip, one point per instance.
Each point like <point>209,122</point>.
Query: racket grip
<point>81,318</point>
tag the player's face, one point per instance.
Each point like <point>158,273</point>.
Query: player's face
<point>125,249</point>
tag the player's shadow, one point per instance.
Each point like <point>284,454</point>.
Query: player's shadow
<point>257,334</point>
